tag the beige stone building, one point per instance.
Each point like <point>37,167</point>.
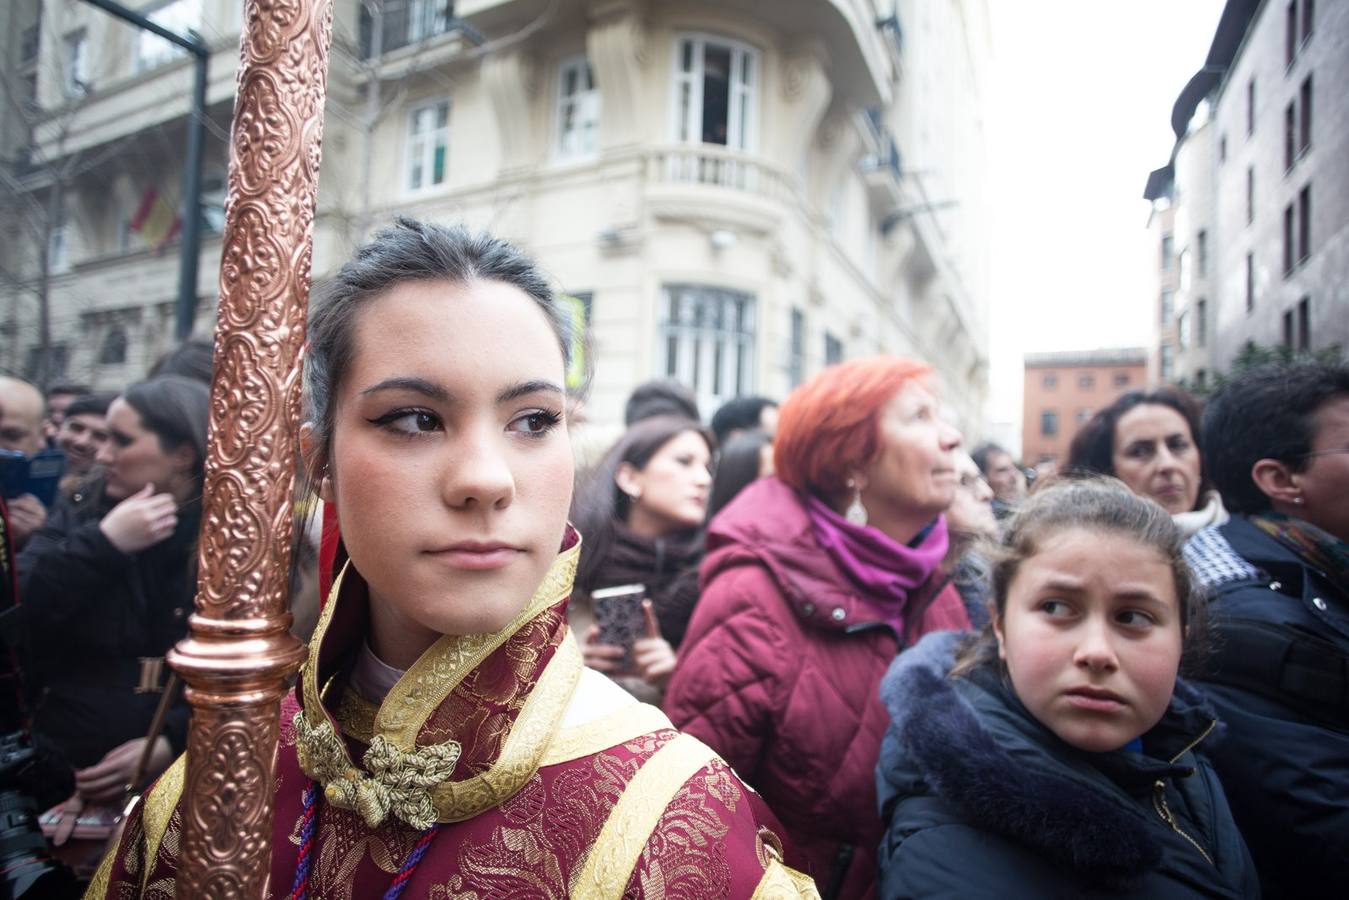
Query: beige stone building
<point>738,192</point>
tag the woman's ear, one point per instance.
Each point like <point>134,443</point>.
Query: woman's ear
<point>629,481</point>
<point>997,633</point>
<point>1277,482</point>
<point>309,454</point>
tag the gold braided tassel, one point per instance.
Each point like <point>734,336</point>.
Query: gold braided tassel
<point>399,782</point>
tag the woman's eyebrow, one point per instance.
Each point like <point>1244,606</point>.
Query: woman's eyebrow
<point>525,388</point>
<point>417,385</point>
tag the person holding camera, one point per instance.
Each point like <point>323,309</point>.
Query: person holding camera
<point>107,586</point>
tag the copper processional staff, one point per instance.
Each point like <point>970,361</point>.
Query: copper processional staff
<point>239,653</point>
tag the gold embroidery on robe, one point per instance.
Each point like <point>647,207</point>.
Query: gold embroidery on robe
<point>626,831</point>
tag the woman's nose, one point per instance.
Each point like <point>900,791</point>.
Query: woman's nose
<point>477,472</point>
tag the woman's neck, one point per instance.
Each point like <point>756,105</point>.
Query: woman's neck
<point>643,524</point>
<point>900,526</point>
<point>394,639</point>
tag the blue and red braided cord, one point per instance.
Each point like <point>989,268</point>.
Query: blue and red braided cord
<point>404,875</point>
<point>300,890</point>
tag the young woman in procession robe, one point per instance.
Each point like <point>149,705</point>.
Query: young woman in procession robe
<point>444,739</point>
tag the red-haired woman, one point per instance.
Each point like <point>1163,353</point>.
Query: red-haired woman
<point>813,581</point>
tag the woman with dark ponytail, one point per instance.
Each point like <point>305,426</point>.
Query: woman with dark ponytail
<point>107,586</point>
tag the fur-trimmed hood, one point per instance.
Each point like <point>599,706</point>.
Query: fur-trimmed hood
<point>970,742</point>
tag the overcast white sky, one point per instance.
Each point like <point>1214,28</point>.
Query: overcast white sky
<point>1079,113</point>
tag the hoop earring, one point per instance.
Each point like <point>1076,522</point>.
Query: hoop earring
<point>856,513</point>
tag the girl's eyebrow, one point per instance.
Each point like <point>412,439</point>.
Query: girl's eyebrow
<point>434,391</point>
<point>525,388</point>
<point>1061,583</point>
<point>416,385</point>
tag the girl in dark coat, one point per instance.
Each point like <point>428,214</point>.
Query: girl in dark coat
<point>107,586</point>
<point>1057,754</point>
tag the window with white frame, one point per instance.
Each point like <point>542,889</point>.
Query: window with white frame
<point>428,18</point>
<point>178,16</point>
<point>428,145</point>
<point>707,341</point>
<point>716,92</point>
<point>75,77</point>
<point>578,110</point>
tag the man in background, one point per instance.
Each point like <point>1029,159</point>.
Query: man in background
<point>21,429</point>
<point>1003,476</point>
<point>59,396</point>
<point>743,414</point>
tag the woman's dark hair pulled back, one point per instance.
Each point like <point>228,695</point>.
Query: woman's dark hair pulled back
<point>408,251</point>
<point>177,410</point>
<point>1092,451</point>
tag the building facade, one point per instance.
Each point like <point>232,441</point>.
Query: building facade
<point>1255,200</point>
<point>1064,390</point>
<point>735,199</point>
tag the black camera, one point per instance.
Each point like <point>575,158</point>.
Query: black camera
<point>27,869</point>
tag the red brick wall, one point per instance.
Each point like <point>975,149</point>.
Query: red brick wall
<point>1071,400</point>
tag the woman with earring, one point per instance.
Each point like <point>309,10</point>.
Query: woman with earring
<point>107,586</point>
<point>641,511</point>
<point>813,581</point>
<point>1277,446</point>
<point>444,739</point>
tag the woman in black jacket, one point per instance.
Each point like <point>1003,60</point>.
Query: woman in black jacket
<point>107,586</point>
<point>1057,754</point>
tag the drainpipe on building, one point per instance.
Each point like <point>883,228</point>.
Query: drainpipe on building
<point>189,250</point>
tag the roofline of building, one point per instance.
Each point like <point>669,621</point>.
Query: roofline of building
<point>1119,356</point>
<point>1228,38</point>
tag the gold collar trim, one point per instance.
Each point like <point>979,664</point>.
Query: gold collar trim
<point>412,782</point>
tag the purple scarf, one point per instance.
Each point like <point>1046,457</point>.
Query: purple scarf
<point>885,571</point>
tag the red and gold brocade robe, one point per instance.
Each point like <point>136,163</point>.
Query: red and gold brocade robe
<point>550,781</point>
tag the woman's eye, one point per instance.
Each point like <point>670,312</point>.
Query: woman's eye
<point>1133,618</point>
<point>1055,609</point>
<point>409,421</point>
<point>536,424</point>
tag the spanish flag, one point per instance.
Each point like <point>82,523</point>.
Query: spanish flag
<point>156,221</point>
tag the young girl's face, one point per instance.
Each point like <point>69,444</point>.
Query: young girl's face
<point>450,466</point>
<point>1091,635</point>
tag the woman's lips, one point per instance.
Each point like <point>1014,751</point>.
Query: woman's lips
<point>477,557</point>
<point>1094,699</point>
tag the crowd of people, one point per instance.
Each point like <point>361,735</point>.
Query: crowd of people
<point>812,648</point>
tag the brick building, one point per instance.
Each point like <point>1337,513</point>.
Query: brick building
<point>1063,390</point>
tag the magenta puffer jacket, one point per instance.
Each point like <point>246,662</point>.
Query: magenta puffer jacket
<point>779,673</point>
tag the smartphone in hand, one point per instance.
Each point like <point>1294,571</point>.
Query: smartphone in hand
<point>618,612</point>
<point>38,475</point>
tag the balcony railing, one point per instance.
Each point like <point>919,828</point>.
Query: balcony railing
<point>718,167</point>
<point>406,22</point>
